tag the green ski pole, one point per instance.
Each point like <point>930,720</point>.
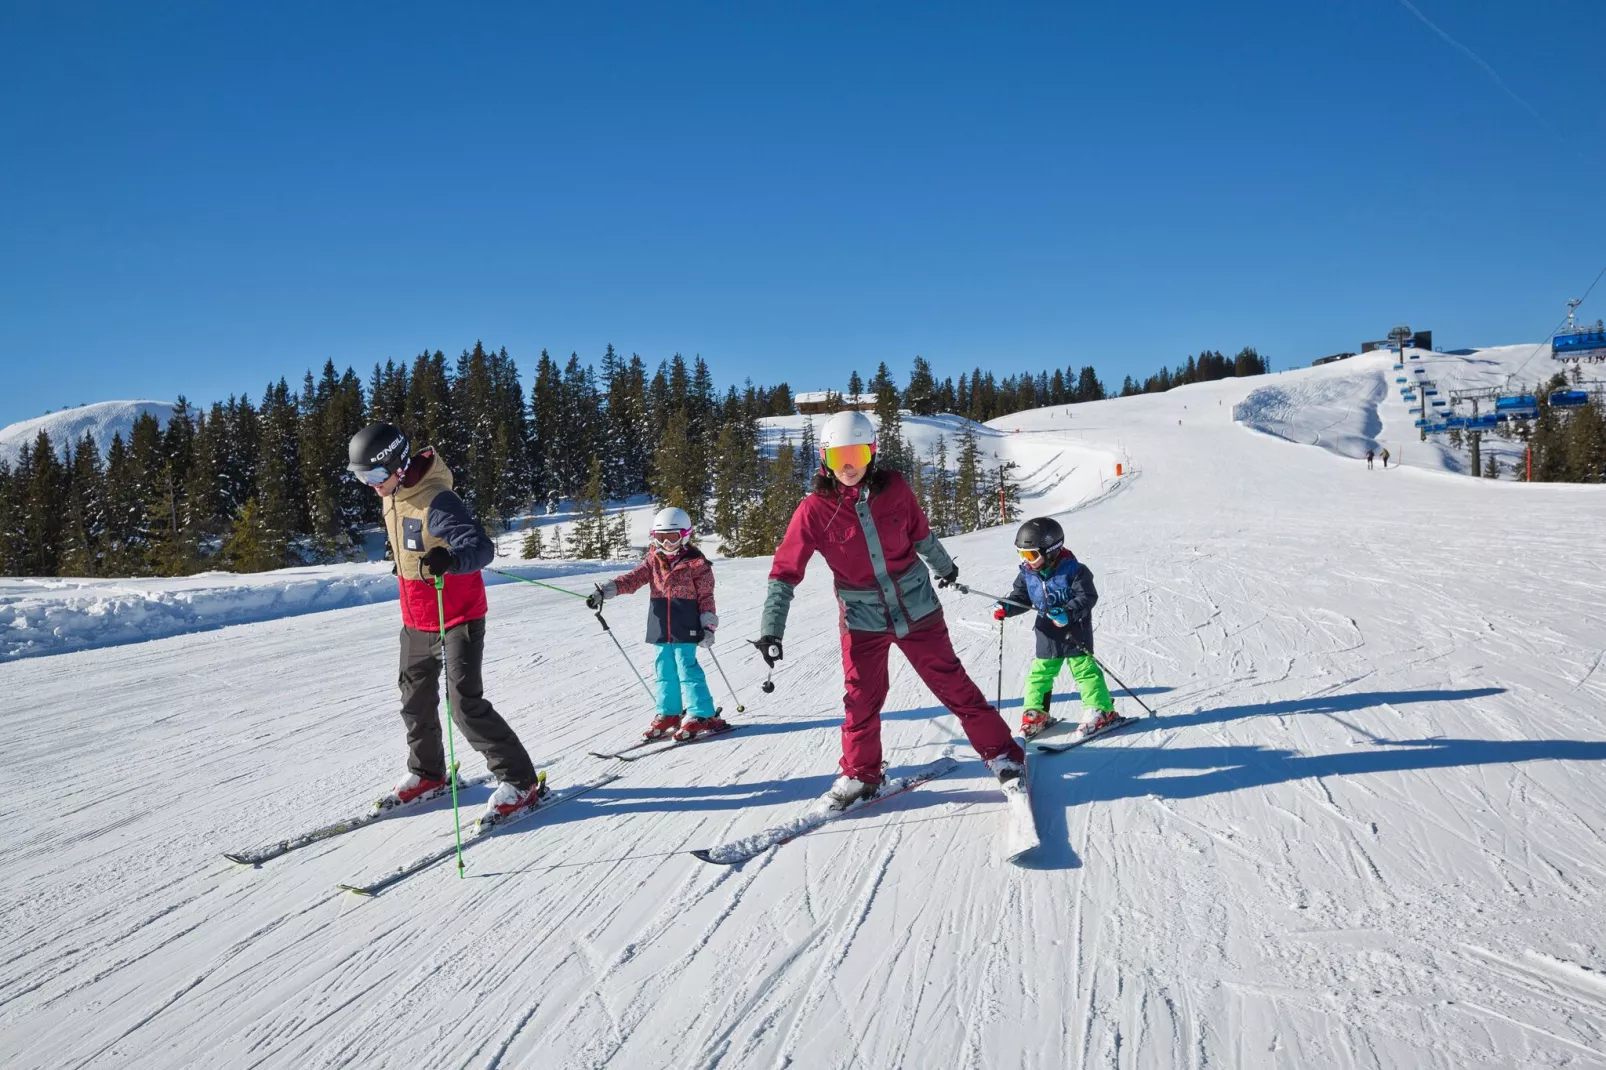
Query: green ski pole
<point>538,583</point>
<point>451,750</point>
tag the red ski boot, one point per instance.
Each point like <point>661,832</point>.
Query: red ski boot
<point>410,788</point>
<point>663,727</point>
<point>1097,721</point>
<point>696,727</point>
<point>1033,722</point>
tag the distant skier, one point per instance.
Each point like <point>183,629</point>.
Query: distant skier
<point>869,527</point>
<point>680,618</point>
<point>431,534</point>
<point>1368,459</point>
<point>1061,589</point>
<point>1385,456</point>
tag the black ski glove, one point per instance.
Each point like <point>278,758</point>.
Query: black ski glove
<point>594,599</point>
<point>769,648</point>
<point>439,561</point>
<point>950,579</point>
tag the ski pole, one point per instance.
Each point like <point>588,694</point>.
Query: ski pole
<point>538,583</point>
<point>1117,679</point>
<point>734,698</point>
<point>1000,664</point>
<point>602,621</point>
<point>451,748</point>
<point>962,589</point>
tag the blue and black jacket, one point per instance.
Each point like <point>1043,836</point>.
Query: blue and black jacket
<point>1067,591</point>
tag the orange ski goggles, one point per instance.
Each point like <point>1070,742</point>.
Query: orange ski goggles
<point>838,457</point>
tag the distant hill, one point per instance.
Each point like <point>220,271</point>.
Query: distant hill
<point>103,419</point>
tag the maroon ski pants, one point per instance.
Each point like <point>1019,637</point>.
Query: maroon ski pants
<point>931,652</point>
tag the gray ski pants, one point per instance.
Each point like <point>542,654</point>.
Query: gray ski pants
<point>475,717</point>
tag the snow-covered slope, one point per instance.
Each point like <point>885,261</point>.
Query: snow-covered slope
<point>1355,405</point>
<point>103,419</point>
<point>1367,828</point>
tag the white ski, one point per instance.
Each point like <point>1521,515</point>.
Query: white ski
<point>1054,743</point>
<point>749,847</point>
<point>1020,835</point>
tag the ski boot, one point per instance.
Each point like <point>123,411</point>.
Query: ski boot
<point>663,727</point>
<point>410,788</point>
<point>1032,722</point>
<point>695,727</point>
<point>507,799</point>
<point>1096,721</point>
<point>1010,773</point>
<point>849,790</point>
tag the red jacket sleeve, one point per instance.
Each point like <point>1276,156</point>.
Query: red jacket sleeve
<point>635,579</point>
<point>797,546</point>
<point>703,584</point>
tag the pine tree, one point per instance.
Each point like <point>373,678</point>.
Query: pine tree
<point>671,468</point>
<point>855,387</point>
<point>808,460</point>
<point>619,536</point>
<point>890,449</point>
<point>920,396</point>
<point>252,546</point>
<point>45,481</point>
<point>1491,469</point>
<point>532,547</point>
<point>588,535</point>
<point>939,500</point>
<point>970,482</point>
<point>85,521</point>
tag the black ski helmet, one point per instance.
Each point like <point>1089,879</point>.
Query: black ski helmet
<point>1042,534</point>
<point>378,446</point>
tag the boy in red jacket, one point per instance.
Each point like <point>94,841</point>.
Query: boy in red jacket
<point>680,618</point>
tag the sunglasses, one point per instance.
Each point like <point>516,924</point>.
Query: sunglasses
<point>838,457</point>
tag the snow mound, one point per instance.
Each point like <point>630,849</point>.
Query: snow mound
<point>103,420</point>
<point>39,617</point>
<point>1337,412</point>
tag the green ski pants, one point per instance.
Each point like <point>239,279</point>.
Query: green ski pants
<point>1089,681</point>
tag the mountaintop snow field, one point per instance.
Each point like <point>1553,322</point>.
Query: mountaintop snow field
<point>103,420</point>
<point>1366,829</point>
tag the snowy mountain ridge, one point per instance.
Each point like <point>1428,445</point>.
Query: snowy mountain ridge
<point>102,419</point>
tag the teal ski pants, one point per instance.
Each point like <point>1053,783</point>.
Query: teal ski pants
<point>1089,681</point>
<point>681,683</point>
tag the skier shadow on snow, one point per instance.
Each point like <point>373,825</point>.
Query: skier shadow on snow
<point>1111,772</point>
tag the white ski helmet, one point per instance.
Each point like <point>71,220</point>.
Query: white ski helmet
<point>671,519</point>
<point>848,428</point>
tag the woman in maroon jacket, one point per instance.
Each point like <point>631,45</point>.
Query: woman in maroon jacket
<point>869,527</point>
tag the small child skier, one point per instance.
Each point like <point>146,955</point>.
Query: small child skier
<point>1061,589</point>
<point>680,618</point>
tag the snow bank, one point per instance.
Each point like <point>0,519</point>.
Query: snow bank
<point>50,616</point>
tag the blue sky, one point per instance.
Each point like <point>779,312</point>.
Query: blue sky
<point>201,197</point>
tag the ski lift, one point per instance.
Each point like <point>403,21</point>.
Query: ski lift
<point>1408,397</point>
<point>1420,423</point>
<point>1580,343</point>
<point>1438,402</point>
<point>1430,390</point>
<point>1399,379</point>
<point>1452,423</point>
<point>1415,411</point>
<point>1516,407</point>
<point>1399,367</point>
<point>1569,399</point>
<point>1439,428</point>
<point>1482,422</point>
<point>1415,356</point>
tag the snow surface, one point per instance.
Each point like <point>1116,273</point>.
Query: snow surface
<point>1367,828</point>
<point>1355,405</point>
<point>103,419</point>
